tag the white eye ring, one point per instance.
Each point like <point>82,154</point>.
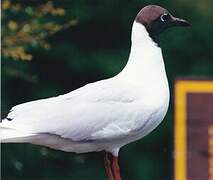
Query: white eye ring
<point>162,17</point>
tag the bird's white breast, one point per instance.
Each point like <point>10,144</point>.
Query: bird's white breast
<point>145,73</point>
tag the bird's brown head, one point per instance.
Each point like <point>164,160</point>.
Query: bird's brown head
<point>157,19</point>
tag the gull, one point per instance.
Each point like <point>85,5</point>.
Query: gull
<point>107,114</point>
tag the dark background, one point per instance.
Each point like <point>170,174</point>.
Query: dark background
<point>97,48</point>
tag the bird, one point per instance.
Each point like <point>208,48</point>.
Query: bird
<point>104,115</point>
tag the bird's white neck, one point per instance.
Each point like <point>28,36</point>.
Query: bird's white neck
<point>140,35</point>
<point>145,64</point>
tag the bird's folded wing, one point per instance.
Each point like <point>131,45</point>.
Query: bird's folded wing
<point>99,110</point>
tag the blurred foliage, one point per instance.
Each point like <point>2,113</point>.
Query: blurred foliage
<point>95,49</point>
<point>24,26</point>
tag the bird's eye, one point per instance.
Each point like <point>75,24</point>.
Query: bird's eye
<point>164,17</point>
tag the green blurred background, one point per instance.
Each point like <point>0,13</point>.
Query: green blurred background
<point>94,46</point>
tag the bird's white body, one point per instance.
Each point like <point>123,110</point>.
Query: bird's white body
<point>104,115</point>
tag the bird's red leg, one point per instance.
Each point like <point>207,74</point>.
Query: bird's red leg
<point>115,168</point>
<point>107,165</point>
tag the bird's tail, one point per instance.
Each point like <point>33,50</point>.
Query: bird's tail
<point>9,135</point>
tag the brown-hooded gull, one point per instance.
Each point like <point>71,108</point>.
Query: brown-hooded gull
<point>108,114</point>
